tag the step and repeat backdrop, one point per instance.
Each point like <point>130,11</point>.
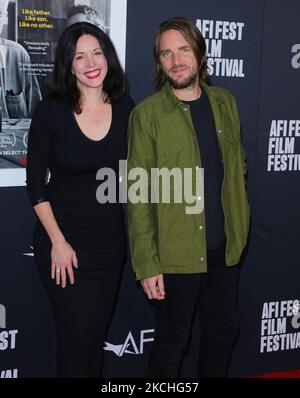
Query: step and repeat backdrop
<point>253,49</point>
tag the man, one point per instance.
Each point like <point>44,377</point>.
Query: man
<point>19,88</point>
<point>189,262</point>
<point>84,13</point>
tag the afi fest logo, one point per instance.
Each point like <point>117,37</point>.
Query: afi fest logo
<point>2,317</point>
<point>296,57</point>
<point>130,346</point>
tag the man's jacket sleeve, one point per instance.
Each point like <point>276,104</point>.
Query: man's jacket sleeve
<point>141,216</point>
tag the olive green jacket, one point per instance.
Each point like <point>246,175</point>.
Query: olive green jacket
<point>163,237</point>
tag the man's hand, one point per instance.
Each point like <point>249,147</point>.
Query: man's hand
<point>154,287</point>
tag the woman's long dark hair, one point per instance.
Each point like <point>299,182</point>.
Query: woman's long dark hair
<point>64,87</point>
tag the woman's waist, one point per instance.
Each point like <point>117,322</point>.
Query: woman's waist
<point>88,214</point>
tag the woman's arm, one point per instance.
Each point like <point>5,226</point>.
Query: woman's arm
<point>63,256</point>
<point>39,142</point>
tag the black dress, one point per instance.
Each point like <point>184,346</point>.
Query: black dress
<point>95,231</point>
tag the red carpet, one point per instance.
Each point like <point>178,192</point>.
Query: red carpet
<point>290,374</point>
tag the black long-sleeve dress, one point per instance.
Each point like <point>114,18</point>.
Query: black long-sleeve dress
<point>95,231</point>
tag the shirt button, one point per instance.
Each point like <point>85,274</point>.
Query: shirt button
<point>186,109</point>
<point>220,131</point>
<point>200,227</point>
<point>202,258</point>
<point>199,198</point>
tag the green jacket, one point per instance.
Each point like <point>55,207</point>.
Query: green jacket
<point>163,238</point>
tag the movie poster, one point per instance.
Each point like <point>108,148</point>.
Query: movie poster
<point>29,31</point>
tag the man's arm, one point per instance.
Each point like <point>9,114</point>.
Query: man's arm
<point>141,216</point>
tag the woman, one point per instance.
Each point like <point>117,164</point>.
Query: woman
<point>79,244</point>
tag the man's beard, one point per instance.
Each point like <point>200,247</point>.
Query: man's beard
<point>191,80</point>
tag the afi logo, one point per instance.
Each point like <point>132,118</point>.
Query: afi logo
<point>130,346</point>
<point>296,57</point>
<point>2,317</point>
<point>30,254</point>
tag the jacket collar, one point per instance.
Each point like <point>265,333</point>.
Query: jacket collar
<point>171,101</point>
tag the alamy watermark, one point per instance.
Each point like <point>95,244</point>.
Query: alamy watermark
<point>153,186</point>
<point>2,317</point>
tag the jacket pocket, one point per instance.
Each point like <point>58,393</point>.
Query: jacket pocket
<point>174,233</point>
<point>230,152</point>
<point>169,150</point>
<point>230,137</point>
<point>174,248</point>
<point>16,106</point>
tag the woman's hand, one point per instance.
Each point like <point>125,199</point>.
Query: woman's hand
<point>63,258</point>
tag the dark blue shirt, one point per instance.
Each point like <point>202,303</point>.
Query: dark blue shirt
<point>205,130</point>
